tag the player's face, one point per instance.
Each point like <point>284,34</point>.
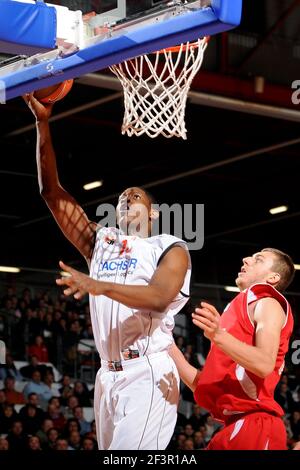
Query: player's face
<point>257,268</point>
<point>133,211</point>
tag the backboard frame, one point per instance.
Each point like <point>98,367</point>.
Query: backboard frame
<point>121,42</point>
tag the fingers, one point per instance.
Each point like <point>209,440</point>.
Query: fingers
<point>64,281</point>
<point>203,312</point>
<point>29,97</point>
<point>209,307</point>
<point>66,268</point>
<point>69,291</point>
<point>26,98</point>
<point>78,295</point>
<point>210,323</point>
<point>207,331</point>
<point>72,287</point>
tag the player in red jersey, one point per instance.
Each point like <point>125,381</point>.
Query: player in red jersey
<point>248,345</point>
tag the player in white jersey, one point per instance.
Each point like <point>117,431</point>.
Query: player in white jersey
<point>137,284</point>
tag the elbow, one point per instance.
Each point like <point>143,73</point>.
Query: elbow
<point>265,369</point>
<point>49,195</point>
<point>44,192</point>
<point>160,305</point>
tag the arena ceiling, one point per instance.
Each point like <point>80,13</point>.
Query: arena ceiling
<point>240,162</point>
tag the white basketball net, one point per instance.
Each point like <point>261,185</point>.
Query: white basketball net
<point>155,92</point>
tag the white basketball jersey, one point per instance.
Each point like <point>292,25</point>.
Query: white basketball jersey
<point>131,260</point>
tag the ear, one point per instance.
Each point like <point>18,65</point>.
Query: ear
<point>273,279</point>
<point>154,214</point>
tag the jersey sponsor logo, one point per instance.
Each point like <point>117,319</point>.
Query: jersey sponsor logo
<point>109,240</point>
<point>119,265</point>
<point>125,248</point>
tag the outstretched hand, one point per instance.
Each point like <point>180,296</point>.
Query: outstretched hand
<point>41,111</point>
<point>78,284</point>
<point>207,318</point>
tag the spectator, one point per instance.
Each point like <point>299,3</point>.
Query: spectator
<point>56,416</point>
<point>92,434</point>
<point>204,434</point>
<point>2,400</point>
<point>211,426</point>
<point>34,443</point>
<point>12,396</point>
<point>52,435</point>
<point>33,365</point>
<point>61,444</point>
<point>30,420</point>
<point>65,382</point>
<point>88,333</point>
<point>8,313</point>
<point>32,400</point>
<point>82,393</point>
<point>69,410</point>
<point>49,380</point>
<point>4,445</point>
<point>72,425</point>
<point>4,334</point>
<point>39,349</point>
<point>199,442</point>
<point>74,440</point>
<point>180,342</point>
<point>36,386</point>
<point>31,324</point>
<point>196,419</point>
<point>42,432</point>
<point>71,339</point>
<point>181,438</point>
<point>180,423</point>
<point>9,369</point>
<point>288,428</point>
<point>16,437</point>
<point>188,431</point>
<point>7,419</point>
<point>88,444</point>
<point>55,401</point>
<point>295,425</point>
<point>85,427</point>
<point>284,397</point>
<point>66,391</point>
<point>188,444</point>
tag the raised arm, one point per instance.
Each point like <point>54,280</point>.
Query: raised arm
<point>157,295</point>
<point>259,359</point>
<point>70,217</point>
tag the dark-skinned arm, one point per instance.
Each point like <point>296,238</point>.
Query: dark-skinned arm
<point>164,285</point>
<point>70,217</point>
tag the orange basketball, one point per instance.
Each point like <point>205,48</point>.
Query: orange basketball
<point>53,93</point>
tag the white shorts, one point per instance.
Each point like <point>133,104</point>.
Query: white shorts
<point>136,408</point>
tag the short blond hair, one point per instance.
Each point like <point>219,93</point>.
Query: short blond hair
<point>283,264</point>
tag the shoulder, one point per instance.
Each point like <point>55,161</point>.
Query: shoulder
<point>173,248</point>
<point>104,234</point>
<point>269,310</point>
<point>261,291</point>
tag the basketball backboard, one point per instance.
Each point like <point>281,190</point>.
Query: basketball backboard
<point>75,43</point>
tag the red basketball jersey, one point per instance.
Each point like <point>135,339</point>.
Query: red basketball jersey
<point>225,388</point>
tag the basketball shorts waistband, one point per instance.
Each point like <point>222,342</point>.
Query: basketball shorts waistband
<point>118,366</point>
<point>235,417</point>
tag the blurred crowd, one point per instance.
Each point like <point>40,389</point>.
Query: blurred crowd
<point>46,402</point>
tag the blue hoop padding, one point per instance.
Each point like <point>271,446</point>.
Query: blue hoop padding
<point>223,15</point>
<point>26,28</point>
